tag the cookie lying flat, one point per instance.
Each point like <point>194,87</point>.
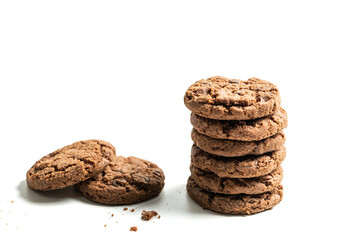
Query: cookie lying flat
<point>233,148</point>
<point>70,165</point>
<point>212,183</point>
<point>234,204</point>
<point>231,99</point>
<point>237,167</point>
<point>250,130</point>
<point>124,181</point>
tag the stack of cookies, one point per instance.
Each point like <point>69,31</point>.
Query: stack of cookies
<point>238,145</point>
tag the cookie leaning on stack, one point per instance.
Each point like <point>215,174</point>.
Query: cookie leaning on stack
<point>238,145</point>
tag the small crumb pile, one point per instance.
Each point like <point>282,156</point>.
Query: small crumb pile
<point>148,215</point>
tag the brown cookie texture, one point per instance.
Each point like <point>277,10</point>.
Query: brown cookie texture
<point>232,99</point>
<point>250,130</point>
<point>70,165</point>
<point>241,204</point>
<point>233,148</point>
<point>213,183</point>
<point>124,181</point>
<point>248,166</point>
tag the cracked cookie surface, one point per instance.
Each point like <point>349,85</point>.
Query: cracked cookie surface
<point>213,183</point>
<point>242,204</point>
<point>237,167</point>
<point>124,181</point>
<point>250,130</point>
<point>70,165</point>
<point>233,148</point>
<point>232,99</point>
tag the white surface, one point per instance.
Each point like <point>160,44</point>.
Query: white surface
<point>74,70</point>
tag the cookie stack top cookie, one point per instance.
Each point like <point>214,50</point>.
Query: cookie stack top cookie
<point>232,99</point>
<point>238,144</point>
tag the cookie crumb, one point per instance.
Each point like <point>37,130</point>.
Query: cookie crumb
<point>159,217</point>
<point>105,225</point>
<point>133,229</point>
<point>125,209</point>
<point>112,215</point>
<point>132,210</point>
<point>148,215</point>
<point>12,202</point>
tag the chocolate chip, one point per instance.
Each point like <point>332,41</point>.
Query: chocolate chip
<point>234,81</point>
<point>118,182</point>
<point>157,173</point>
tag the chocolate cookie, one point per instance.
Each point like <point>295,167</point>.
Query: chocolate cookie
<point>212,183</point>
<point>232,148</point>
<point>124,181</point>
<point>250,130</point>
<point>70,165</point>
<point>237,167</point>
<point>234,204</point>
<point>231,99</point>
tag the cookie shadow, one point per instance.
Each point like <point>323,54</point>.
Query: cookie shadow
<point>47,197</point>
<point>179,202</point>
<point>174,201</point>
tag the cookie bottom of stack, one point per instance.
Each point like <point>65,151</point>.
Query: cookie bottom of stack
<point>244,204</point>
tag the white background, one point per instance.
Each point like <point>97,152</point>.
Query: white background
<point>118,70</point>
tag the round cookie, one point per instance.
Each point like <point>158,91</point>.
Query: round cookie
<point>250,130</point>
<point>233,148</point>
<point>212,183</point>
<point>234,204</point>
<point>248,166</point>
<point>232,99</point>
<point>70,165</point>
<point>124,181</point>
